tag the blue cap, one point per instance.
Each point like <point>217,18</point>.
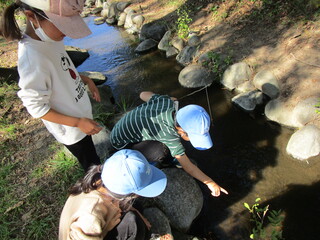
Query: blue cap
<point>195,121</point>
<point>127,171</point>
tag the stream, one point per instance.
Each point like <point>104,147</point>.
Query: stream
<point>248,158</point>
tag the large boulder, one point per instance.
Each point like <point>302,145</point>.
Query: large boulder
<point>181,201</point>
<point>194,76</point>
<point>267,83</point>
<point>304,143</point>
<point>152,30</point>
<point>235,75</point>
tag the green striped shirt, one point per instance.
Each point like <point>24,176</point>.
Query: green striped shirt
<point>150,121</point>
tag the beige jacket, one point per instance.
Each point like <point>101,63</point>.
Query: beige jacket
<point>88,216</point>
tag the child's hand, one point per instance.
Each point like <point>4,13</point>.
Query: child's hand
<point>92,87</point>
<point>88,126</point>
<point>215,189</point>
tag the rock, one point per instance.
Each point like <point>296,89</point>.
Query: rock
<point>97,77</point>
<point>304,143</point>
<point>194,76</point>
<point>122,5</point>
<point>182,199</point>
<point>249,100</point>
<point>247,86</point>
<point>235,75</point>
<point>267,83</point>
<point>138,20</point>
<point>97,10</point>
<point>102,143</point>
<point>122,19</point>
<point>304,112</point>
<point>277,111</point>
<point>111,21</point>
<point>146,45</point>
<point>129,15</point>
<point>153,30</point>
<point>77,55</point>
<point>177,43</point>
<point>171,52</point>
<point>99,20</point>
<point>164,43</point>
<point>194,41</point>
<point>186,56</point>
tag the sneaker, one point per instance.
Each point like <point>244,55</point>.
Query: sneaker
<point>176,163</point>
<point>167,236</point>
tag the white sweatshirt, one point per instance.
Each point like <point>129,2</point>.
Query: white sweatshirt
<point>49,80</point>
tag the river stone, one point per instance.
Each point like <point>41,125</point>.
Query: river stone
<point>98,3</point>
<point>89,3</point>
<point>235,75</point>
<point>146,45</point>
<point>99,20</point>
<point>77,55</point>
<point>178,43</point>
<point>102,143</point>
<point>154,30</point>
<point>111,20</point>
<point>194,41</point>
<point>122,19</point>
<point>186,56</point>
<point>97,77</point>
<point>159,221</point>
<point>164,43</point>
<point>277,111</point>
<point>247,86</point>
<point>249,100</point>
<point>122,5</point>
<point>182,199</point>
<point>194,76</point>
<point>138,20</point>
<point>171,52</point>
<point>267,83</point>
<point>304,112</point>
<point>128,22</point>
<point>304,143</point>
<point>97,10</point>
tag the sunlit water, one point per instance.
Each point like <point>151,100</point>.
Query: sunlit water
<point>249,156</point>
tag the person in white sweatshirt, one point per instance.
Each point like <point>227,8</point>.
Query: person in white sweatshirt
<point>51,87</point>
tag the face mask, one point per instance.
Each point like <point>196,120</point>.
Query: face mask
<point>41,33</point>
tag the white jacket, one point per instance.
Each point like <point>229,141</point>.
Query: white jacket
<point>48,79</point>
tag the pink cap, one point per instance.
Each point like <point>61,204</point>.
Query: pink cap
<point>64,14</point>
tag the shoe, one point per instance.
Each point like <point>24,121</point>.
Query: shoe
<point>167,236</point>
<point>176,163</point>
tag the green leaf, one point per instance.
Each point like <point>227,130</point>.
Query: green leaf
<point>246,205</point>
<point>252,236</point>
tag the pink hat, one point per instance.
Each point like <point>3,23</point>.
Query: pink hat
<point>64,14</point>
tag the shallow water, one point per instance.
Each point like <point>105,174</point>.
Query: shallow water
<point>249,156</point>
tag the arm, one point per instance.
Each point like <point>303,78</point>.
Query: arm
<point>195,172</point>
<point>92,87</point>
<point>86,125</point>
<point>145,96</point>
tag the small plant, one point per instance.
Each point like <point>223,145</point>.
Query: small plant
<point>124,105</point>
<point>318,106</point>
<point>258,215</point>
<point>216,63</point>
<point>183,23</point>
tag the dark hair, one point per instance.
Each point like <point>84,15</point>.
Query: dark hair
<point>92,181</point>
<point>9,28</point>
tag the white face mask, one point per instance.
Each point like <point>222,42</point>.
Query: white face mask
<point>41,33</point>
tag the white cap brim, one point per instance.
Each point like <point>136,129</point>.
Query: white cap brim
<point>71,26</point>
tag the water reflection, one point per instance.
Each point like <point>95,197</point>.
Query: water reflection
<point>249,155</point>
